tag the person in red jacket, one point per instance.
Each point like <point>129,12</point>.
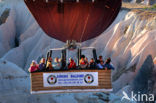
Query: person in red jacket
<point>72,64</point>
<point>33,67</point>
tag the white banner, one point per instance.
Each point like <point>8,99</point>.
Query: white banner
<point>70,79</point>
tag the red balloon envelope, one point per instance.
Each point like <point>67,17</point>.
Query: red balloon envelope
<point>71,20</point>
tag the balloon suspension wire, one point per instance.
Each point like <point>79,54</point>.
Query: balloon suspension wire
<point>85,25</point>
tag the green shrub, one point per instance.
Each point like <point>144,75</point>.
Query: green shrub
<point>153,7</point>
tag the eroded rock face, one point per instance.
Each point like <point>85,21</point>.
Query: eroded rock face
<point>127,0</point>
<point>138,1</point>
<point>146,2</point>
<point>143,81</point>
<point>149,2</point>
<point>4,16</point>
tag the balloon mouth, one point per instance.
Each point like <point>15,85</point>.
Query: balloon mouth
<point>71,45</point>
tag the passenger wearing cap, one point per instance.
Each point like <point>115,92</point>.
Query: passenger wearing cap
<point>33,67</point>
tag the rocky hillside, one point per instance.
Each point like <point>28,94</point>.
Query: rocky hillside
<point>146,2</point>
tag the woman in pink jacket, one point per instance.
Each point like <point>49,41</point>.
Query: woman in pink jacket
<point>33,67</point>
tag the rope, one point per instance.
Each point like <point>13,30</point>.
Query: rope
<point>85,27</point>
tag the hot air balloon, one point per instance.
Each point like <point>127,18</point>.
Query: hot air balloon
<point>70,20</point>
<point>74,21</point>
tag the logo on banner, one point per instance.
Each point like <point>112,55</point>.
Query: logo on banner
<point>89,78</point>
<point>52,79</point>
